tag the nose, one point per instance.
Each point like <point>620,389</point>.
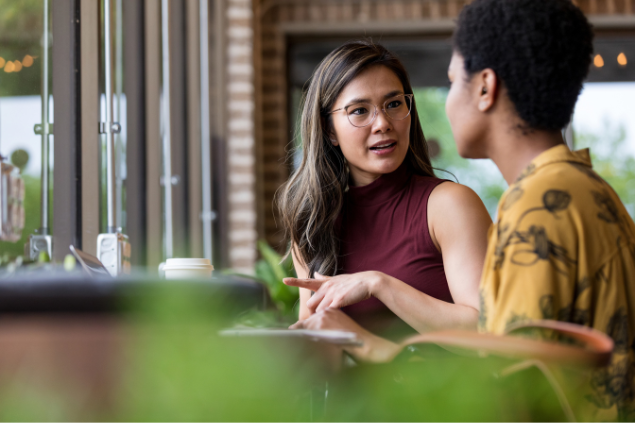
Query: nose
<point>382,123</point>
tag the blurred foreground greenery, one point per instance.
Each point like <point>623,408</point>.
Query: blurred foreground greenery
<point>175,367</point>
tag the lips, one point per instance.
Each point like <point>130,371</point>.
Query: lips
<point>384,146</point>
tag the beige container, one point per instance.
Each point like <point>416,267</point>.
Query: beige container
<point>187,268</point>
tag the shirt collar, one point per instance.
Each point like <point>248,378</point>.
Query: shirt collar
<point>559,153</point>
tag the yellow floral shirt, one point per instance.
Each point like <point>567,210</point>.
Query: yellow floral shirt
<point>563,248</point>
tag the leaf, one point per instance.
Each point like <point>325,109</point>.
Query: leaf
<point>272,258</point>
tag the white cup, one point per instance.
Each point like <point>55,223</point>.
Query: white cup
<point>187,268</point>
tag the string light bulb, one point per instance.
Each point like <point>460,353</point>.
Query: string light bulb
<point>2,62</point>
<point>17,66</point>
<point>598,61</point>
<point>27,62</point>
<point>9,67</point>
<point>621,59</point>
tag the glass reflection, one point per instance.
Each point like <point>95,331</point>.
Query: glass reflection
<point>25,80</point>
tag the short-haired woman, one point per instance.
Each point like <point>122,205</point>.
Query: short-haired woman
<point>388,248</point>
<point>563,247</point>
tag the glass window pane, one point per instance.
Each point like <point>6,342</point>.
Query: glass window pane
<point>22,69</point>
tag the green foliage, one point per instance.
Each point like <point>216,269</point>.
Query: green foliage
<point>181,370</point>
<point>29,403</point>
<point>270,270</point>
<point>174,366</point>
<point>612,160</point>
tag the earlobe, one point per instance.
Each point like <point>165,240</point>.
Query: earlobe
<point>334,142</point>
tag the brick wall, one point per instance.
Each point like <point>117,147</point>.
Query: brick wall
<point>241,159</point>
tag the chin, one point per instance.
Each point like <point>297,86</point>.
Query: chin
<point>470,151</point>
<point>390,165</point>
<point>382,168</point>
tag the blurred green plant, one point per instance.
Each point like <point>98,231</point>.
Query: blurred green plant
<point>181,370</point>
<point>270,270</point>
<point>25,402</point>
<point>174,366</point>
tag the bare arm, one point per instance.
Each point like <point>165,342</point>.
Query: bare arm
<point>458,224</point>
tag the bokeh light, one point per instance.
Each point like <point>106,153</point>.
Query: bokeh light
<point>27,62</point>
<point>598,61</point>
<point>621,59</point>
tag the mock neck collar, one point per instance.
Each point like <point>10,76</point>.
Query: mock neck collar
<point>381,189</point>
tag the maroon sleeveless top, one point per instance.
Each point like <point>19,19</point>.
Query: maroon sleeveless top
<point>384,227</point>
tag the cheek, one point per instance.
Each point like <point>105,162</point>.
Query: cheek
<point>450,107</point>
<point>348,137</point>
<point>457,116</point>
<point>404,128</point>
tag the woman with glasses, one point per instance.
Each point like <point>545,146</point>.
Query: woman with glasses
<point>387,248</point>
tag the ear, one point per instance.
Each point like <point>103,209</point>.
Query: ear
<point>487,89</point>
<point>329,131</point>
<point>333,139</point>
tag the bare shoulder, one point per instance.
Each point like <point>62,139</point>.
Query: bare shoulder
<point>454,209</point>
<point>449,196</point>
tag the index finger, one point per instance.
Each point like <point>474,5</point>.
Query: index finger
<point>310,284</point>
<point>297,325</point>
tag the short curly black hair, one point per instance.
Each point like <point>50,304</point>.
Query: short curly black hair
<point>540,49</point>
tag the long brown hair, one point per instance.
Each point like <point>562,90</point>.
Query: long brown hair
<point>311,200</point>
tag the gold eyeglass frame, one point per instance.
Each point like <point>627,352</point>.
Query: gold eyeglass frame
<point>383,108</point>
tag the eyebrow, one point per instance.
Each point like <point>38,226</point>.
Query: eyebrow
<point>366,100</point>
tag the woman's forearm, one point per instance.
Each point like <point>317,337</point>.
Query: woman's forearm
<point>421,311</point>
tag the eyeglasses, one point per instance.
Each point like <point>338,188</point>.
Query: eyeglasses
<point>363,114</point>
